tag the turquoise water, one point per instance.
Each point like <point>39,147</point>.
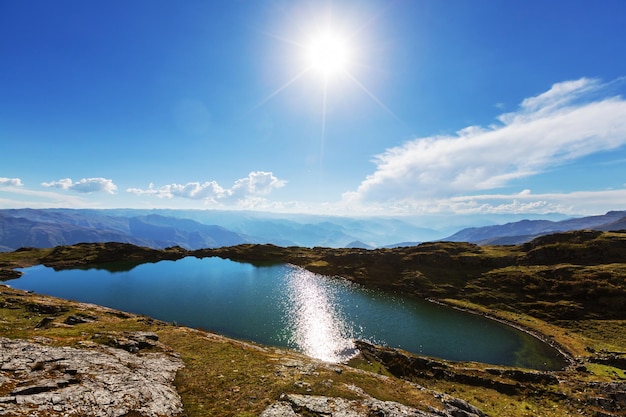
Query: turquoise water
<point>290,307</point>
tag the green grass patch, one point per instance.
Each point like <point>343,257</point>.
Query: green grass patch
<point>605,371</point>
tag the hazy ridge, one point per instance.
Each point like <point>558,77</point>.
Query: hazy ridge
<point>195,229</point>
<point>526,230</point>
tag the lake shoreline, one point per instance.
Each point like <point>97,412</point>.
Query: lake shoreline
<point>589,388</point>
<point>509,382</point>
<point>550,341</point>
<point>288,306</point>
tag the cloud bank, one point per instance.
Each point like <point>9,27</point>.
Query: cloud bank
<point>550,129</point>
<point>86,185</point>
<point>245,191</point>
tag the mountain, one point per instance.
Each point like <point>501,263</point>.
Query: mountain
<point>314,230</point>
<point>401,245</point>
<point>170,231</point>
<point>616,225</point>
<point>48,228</point>
<point>526,230</point>
<point>357,244</point>
<point>195,229</point>
<point>16,232</point>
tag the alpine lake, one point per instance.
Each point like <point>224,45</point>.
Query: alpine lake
<point>287,306</point>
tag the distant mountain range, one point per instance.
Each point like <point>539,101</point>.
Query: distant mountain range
<point>48,228</point>
<point>526,230</point>
<point>195,229</point>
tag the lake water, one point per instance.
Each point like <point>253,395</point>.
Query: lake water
<point>288,306</point>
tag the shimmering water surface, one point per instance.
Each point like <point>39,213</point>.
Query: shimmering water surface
<point>291,307</point>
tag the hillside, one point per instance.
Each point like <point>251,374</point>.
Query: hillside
<point>573,275</point>
<point>568,288</point>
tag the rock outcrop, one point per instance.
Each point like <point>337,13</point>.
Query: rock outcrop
<point>36,379</point>
<point>297,405</point>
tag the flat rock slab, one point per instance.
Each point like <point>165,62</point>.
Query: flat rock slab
<point>44,380</point>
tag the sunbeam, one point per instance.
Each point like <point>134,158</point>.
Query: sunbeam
<point>281,88</point>
<point>323,137</point>
<point>372,96</point>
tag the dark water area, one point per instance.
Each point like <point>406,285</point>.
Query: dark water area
<point>290,307</point>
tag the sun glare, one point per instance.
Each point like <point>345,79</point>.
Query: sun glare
<point>331,56</point>
<point>328,53</point>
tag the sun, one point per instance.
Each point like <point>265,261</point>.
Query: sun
<point>328,53</point>
<point>330,59</point>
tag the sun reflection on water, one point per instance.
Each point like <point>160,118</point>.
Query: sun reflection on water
<point>315,321</point>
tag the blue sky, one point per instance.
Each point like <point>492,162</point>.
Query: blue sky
<point>456,107</point>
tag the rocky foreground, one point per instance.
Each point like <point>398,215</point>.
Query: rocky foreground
<point>94,380</point>
<point>61,358</point>
<point>98,380</point>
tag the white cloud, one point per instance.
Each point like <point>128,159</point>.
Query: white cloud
<point>20,197</point>
<point>246,192</point>
<point>209,190</point>
<point>575,203</point>
<point>85,185</point>
<point>257,183</point>
<point>10,182</point>
<point>559,95</point>
<point>550,129</point>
